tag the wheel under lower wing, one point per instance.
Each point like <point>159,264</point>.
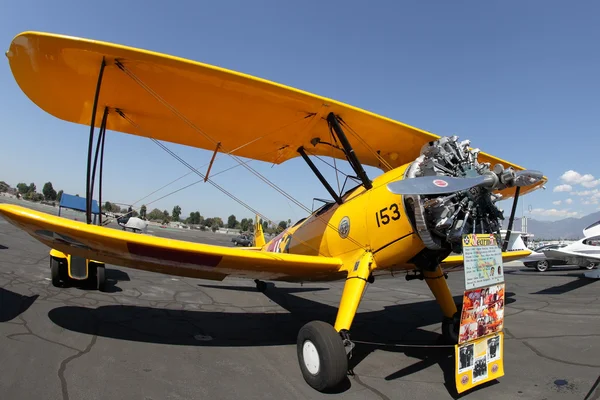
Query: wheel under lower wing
<point>101,278</point>
<point>55,272</point>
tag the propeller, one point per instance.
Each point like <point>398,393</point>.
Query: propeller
<point>433,185</point>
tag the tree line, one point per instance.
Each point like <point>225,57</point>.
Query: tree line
<point>49,194</point>
<point>29,192</point>
<point>212,223</point>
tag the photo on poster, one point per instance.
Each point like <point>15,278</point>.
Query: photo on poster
<point>466,357</point>
<point>482,260</point>
<point>482,313</point>
<point>493,348</point>
<point>480,370</point>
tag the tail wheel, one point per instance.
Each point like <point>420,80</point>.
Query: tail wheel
<point>321,355</point>
<point>542,265</point>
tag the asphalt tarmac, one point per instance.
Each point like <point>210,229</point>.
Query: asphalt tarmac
<point>153,336</point>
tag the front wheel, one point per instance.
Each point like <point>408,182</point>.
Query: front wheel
<point>321,355</point>
<point>590,266</point>
<point>450,328</point>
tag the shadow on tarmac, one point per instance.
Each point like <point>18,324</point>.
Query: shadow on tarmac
<point>397,324</point>
<point>13,304</point>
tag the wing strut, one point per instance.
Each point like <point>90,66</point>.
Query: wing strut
<point>88,190</point>
<point>350,154</point>
<point>99,145</point>
<point>212,160</point>
<point>511,220</point>
<point>319,175</point>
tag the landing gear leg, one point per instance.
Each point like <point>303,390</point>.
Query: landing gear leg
<point>438,286</point>
<point>323,349</point>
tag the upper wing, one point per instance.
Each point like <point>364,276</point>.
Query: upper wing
<point>195,104</point>
<point>458,260</point>
<point>173,257</point>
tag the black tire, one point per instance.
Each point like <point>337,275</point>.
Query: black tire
<point>55,272</point>
<point>451,328</point>
<point>101,278</point>
<point>542,265</point>
<point>325,355</point>
<point>261,286</point>
<point>590,266</point>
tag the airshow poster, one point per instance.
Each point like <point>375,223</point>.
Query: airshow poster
<point>479,361</point>
<point>482,313</point>
<point>482,260</point>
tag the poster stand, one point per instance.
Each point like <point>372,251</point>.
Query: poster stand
<point>479,353</point>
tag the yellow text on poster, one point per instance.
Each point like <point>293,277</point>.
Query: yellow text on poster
<point>479,361</point>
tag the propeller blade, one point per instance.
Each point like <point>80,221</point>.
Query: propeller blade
<point>527,177</point>
<point>435,184</point>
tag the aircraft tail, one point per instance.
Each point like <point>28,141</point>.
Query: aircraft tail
<point>259,236</point>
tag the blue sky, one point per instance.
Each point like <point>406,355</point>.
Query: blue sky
<point>519,79</point>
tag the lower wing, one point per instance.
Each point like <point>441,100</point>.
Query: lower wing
<point>168,256</point>
<point>458,260</point>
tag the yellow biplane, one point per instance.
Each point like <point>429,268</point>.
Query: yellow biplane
<point>412,217</point>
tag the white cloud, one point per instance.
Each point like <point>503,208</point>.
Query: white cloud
<point>592,200</point>
<point>553,212</point>
<point>575,178</point>
<point>557,202</point>
<point>563,188</point>
<point>568,201</point>
<point>586,193</point>
<point>591,184</point>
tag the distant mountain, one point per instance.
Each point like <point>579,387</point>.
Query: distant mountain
<point>567,229</point>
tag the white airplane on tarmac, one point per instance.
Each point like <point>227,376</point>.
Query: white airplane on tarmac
<point>585,252</point>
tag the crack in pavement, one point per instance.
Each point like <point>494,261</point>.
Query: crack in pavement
<point>540,354</point>
<point>370,388</point>
<point>63,366</point>
<point>557,336</point>
<point>593,390</point>
<point>30,332</point>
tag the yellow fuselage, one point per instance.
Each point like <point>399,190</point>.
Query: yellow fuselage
<point>374,220</point>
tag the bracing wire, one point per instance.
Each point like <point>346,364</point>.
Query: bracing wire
<point>364,142</point>
<point>165,148</point>
<point>135,125</point>
<point>218,158</point>
<point>252,170</point>
<point>193,183</point>
<point>325,162</point>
